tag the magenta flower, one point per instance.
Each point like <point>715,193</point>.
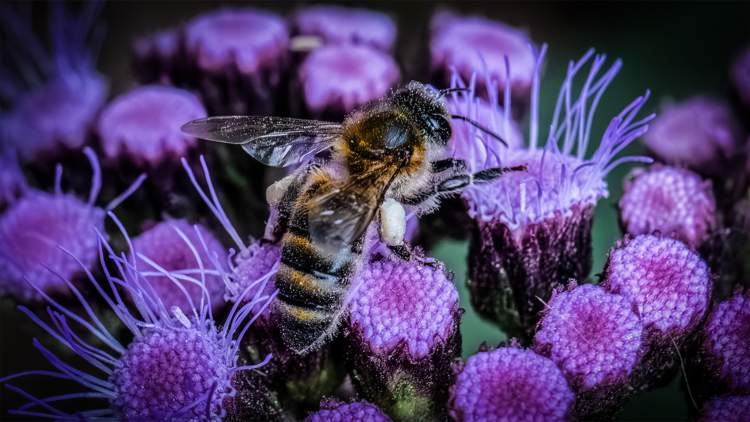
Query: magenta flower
<point>169,246</point>
<point>56,94</point>
<point>144,124</point>
<point>510,384</point>
<point>700,133</point>
<point>594,338</point>
<point>35,228</point>
<point>342,25</point>
<point>239,56</point>
<point>670,287</point>
<point>338,79</point>
<point>724,359</point>
<point>472,44</point>
<point>671,200</point>
<point>337,411</point>
<point>401,337</point>
<point>179,365</point>
<point>533,229</point>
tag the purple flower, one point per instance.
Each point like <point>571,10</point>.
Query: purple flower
<point>157,56</point>
<point>337,411</point>
<point>35,228</point>
<point>594,337</point>
<point>239,56</point>
<point>700,133</point>
<point>179,365</point>
<point>670,200</point>
<point>670,287</point>
<point>740,74</point>
<point>144,124</point>
<point>343,25</point>
<point>726,409</point>
<point>533,229</point>
<point>337,79</point>
<point>55,95</point>
<point>401,337</point>
<point>169,246</point>
<point>474,44</point>
<point>724,357</point>
<point>510,384</point>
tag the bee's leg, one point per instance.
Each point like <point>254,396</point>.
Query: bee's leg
<point>406,253</point>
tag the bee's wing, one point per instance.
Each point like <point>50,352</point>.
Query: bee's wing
<point>276,141</point>
<point>340,213</point>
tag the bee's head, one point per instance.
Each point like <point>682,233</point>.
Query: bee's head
<point>427,109</point>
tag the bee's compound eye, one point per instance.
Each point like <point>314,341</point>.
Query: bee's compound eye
<point>440,127</point>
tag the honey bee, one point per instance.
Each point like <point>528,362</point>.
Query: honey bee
<point>387,155</point>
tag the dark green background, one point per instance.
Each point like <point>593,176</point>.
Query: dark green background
<point>675,49</point>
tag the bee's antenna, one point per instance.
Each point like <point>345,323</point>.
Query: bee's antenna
<point>447,91</point>
<point>478,126</point>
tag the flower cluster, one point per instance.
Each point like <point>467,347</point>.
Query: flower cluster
<point>205,300</point>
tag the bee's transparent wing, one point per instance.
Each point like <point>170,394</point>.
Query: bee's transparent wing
<point>340,213</point>
<point>275,141</point>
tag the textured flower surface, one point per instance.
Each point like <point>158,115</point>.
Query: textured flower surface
<point>670,200</point>
<point>179,366</point>
<point>343,25</point>
<point>480,45</point>
<point>729,335</point>
<point>247,38</point>
<point>170,245</point>
<point>726,409</point>
<point>343,77</point>
<point>510,385</point>
<point>668,283</point>
<point>145,123</point>
<point>701,133</point>
<point>593,334</point>
<point>404,301</point>
<point>353,412</point>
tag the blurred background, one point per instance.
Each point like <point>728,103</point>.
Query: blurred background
<point>674,49</point>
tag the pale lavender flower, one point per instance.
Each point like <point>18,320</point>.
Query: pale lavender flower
<point>402,335</point>
<point>337,79</point>
<point>533,228</point>
<point>594,337</point>
<point>510,384</point>
<point>144,124</point>
<point>337,411</point>
<point>344,25</point>
<point>473,44</point>
<point>179,365</point>
<point>671,200</point>
<point>670,287</point>
<point>54,95</point>
<point>239,57</point>
<point>34,228</point>
<point>701,133</point>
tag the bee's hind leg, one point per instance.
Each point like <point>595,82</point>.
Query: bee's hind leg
<point>407,253</point>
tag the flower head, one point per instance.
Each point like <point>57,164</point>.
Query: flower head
<point>670,200</point>
<point>700,133</point>
<point>724,409</point>
<point>510,384</point>
<point>727,344</point>
<point>337,79</point>
<point>179,365</point>
<point>336,411</point>
<point>343,25</point>
<point>145,124</point>
<point>156,56</point>
<point>592,335</point>
<point>12,181</point>
<point>56,94</point>
<point>170,245</point>
<point>471,45</point>
<point>35,228</point>
<point>667,282</point>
